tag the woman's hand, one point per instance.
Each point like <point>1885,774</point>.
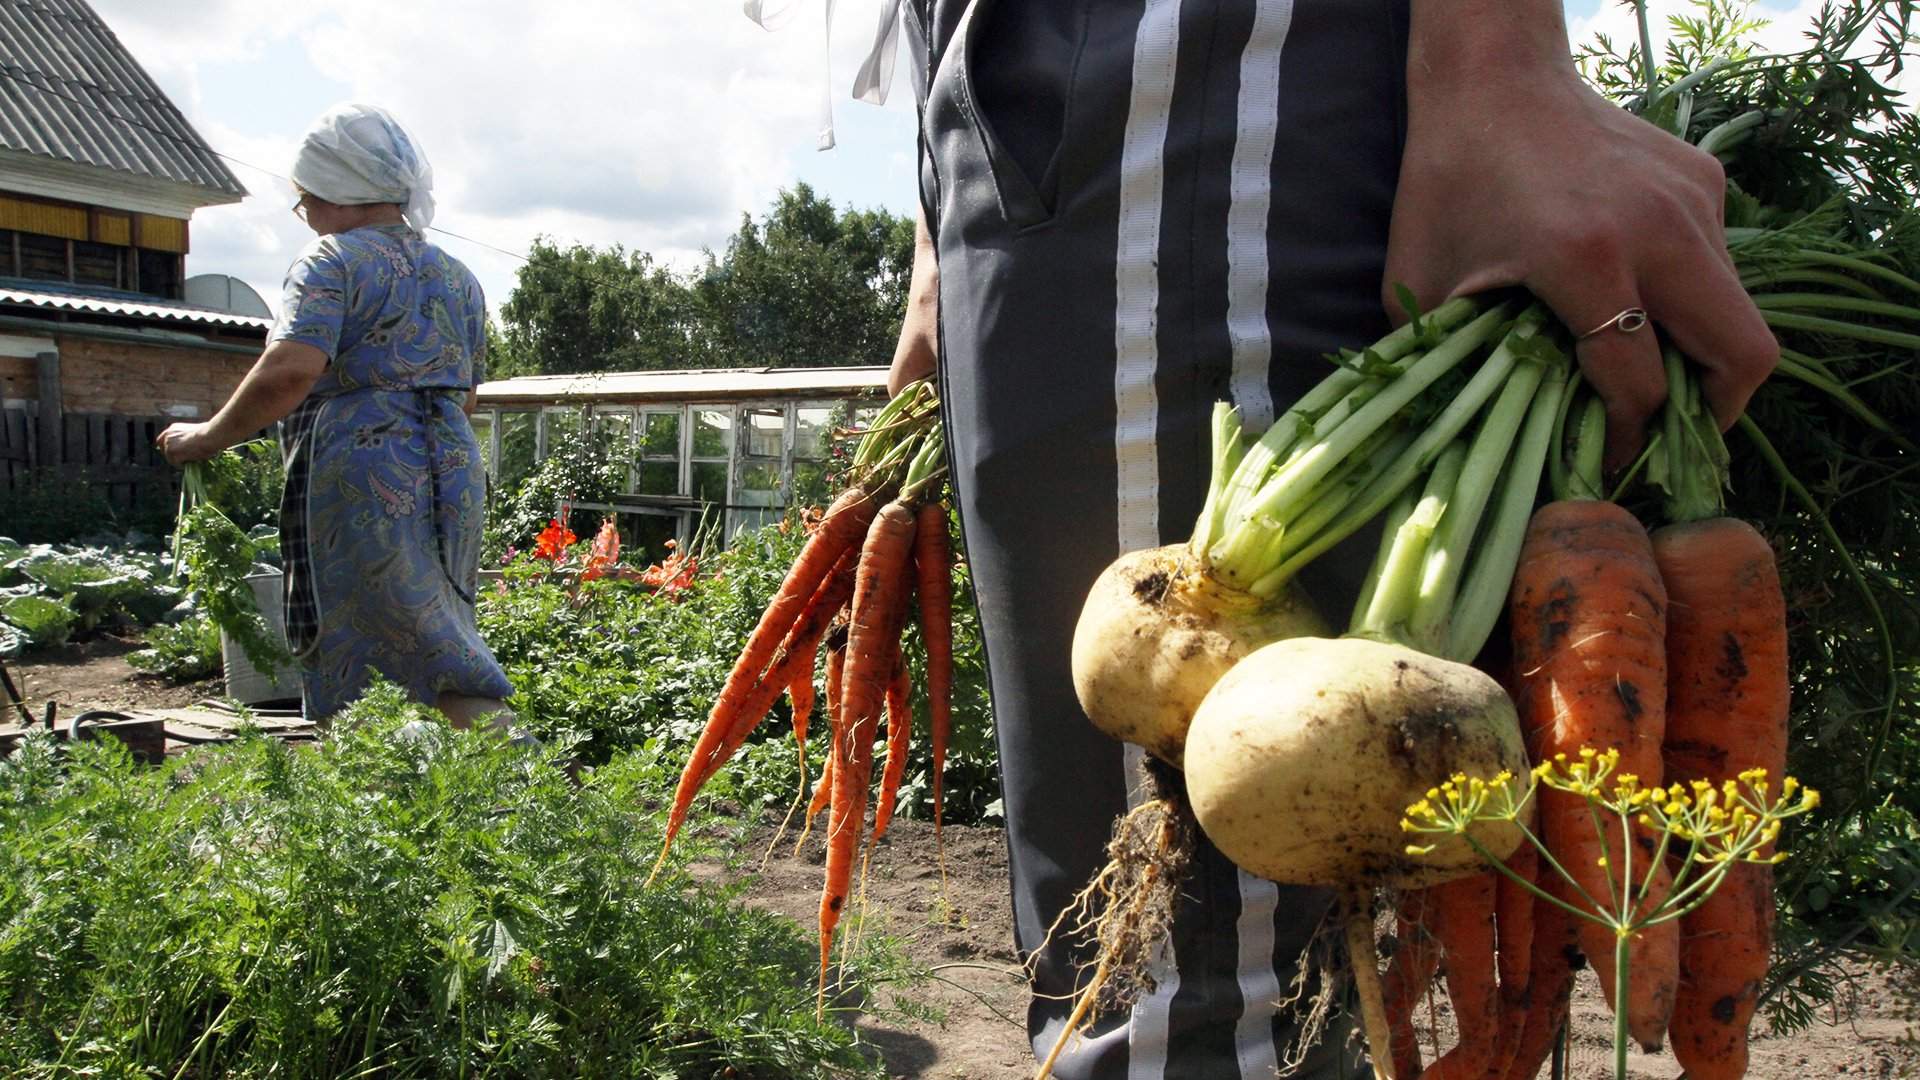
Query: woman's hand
<point>1516,173</point>
<point>181,443</point>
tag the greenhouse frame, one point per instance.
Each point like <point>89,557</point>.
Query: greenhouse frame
<point>744,443</point>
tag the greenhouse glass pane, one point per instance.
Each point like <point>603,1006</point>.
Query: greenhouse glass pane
<point>612,431</point>
<point>766,431</point>
<point>810,484</point>
<point>483,434</point>
<point>711,431</point>
<point>659,478</point>
<point>812,428</point>
<point>758,478</point>
<point>710,480</point>
<point>516,449</point>
<point>564,426</point>
<point>660,436</point>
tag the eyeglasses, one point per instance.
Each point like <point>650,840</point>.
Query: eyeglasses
<point>300,208</point>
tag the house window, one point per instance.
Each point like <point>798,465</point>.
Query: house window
<point>159,273</point>
<point>43,258</point>
<point>98,264</point>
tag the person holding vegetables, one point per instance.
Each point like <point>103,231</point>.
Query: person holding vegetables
<point>371,369</point>
<point>1131,212</point>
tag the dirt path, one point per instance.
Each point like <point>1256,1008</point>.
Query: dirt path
<point>96,675</point>
<point>963,934</point>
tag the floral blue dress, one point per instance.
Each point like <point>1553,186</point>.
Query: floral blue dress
<point>386,489</point>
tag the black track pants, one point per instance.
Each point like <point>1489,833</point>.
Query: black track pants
<point>1140,209</point>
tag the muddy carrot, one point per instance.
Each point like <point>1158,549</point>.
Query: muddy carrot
<point>1461,914</point>
<point>1589,625</point>
<point>899,728</point>
<point>1409,977</point>
<point>932,563</point>
<point>1513,927</point>
<point>1727,704</point>
<point>842,528</point>
<point>879,607</point>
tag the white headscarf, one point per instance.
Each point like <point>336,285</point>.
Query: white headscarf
<point>357,154</point>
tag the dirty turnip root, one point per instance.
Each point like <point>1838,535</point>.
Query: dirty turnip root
<point>1157,631</point>
<point>1160,626</point>
<point>1302,758</point>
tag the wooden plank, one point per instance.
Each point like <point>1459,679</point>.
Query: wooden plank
<point>97,439</point>
<point>146,737</point>
<point>221,721</point>
<point>47,373</point>
<point>119,440</point>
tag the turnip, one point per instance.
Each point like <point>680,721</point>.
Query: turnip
<point>1160,626</point>
<point>1302,758</point>
<point>1155,634</point>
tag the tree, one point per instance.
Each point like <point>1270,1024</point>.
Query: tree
<point>805,286</point>
<point>584,309</point>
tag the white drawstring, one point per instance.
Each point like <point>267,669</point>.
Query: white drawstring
<point>870,83</point>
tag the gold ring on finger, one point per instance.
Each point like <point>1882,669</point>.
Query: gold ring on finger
<point>1627,321</point>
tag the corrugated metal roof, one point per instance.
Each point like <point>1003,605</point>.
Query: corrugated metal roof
<point>708,385</point>
<point>143,308</point>
<point>70,91</point>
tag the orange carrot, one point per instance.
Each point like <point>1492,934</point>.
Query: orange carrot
<point>899,727</point>
<point>836,664</point>
<point>794,658</point>
<point>1461,915</point>
<point>879,606</point>
<point>1409,976</point>
<point>1589,625</point>
<point>1555,960</point>
<point>1513,924</point>
<point>845,523</point>
<point>1727,703</point>
<point>933,574</point>
<point>801,693</point>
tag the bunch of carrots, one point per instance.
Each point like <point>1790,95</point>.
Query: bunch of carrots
<point>1670,647</point>
<point>1669,643</point>
<point>878,548</point>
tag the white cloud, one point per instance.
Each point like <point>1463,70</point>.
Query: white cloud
<point>653,124</point>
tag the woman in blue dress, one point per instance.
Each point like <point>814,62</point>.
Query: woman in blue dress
<point>371,366</point>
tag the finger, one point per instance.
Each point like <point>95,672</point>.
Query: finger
<point>1701,307</point>
<point>1624,367</point>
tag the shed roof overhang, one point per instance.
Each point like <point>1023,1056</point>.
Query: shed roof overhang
<point>668,387</point>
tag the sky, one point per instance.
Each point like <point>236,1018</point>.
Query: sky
<point>652,124</point>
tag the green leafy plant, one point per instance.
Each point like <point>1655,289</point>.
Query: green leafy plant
<point>427,906</point>
<point>183,652</point>
<point>214,557</point>
<point>43,621</point>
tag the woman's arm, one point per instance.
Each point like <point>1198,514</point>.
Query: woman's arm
<point>917,354</point>
<point>1517,173</point>
<point>275,386</point>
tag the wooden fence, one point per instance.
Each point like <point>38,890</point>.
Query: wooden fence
<point>99,449</point>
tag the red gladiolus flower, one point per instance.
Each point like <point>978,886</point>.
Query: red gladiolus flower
<point>553,541</point>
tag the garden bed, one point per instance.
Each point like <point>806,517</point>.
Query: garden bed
<point>964,934</point>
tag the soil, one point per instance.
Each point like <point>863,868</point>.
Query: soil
<point>95,675</point>
<point>961,933</point>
